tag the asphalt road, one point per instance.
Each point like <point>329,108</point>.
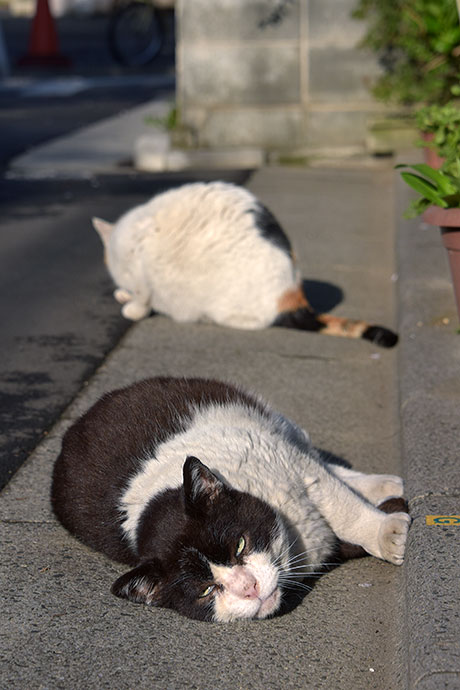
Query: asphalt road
<point>58,318</point>
<point>93,87</point>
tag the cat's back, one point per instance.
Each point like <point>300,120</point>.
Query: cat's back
<point>199,212</point>
<point>208,201</point>
<point>203,251</point>
<point>106,448</point>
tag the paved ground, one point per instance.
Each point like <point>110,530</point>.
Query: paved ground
<point>366,624</point>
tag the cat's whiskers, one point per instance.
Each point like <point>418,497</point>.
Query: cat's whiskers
<point>303,569</point>
<point>295,571</point>
<point>297,566</point>
<point>278,559</point>
<point>300,558</point>
<point>295,556</point>
<point>293,584</point>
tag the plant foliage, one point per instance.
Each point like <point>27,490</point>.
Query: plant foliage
<point>436,187</point>
<point>443,122</point>
<point>418,45</point>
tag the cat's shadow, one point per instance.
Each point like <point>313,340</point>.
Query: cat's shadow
<point>322,296</point>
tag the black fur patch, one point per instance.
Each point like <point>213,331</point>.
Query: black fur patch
<point>302,319</point>
<point>103,450</point>
<point>380,336</point>
<point>270,229</point>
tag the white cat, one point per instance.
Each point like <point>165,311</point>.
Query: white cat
<point>212,251</point>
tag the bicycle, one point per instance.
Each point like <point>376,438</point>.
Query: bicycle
<point>137,30</point>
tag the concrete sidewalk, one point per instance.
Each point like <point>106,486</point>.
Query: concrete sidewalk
<point>366,624</point>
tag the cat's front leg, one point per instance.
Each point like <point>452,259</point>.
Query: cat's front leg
<point>392,537</point>
<point>353,519</point>
<point>132,309</point>
<point>122,296</point>
<point>381,535</point>
<point>135,311</point>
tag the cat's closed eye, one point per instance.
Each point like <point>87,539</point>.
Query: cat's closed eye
<point>240,547</point>
<point>207,591</point>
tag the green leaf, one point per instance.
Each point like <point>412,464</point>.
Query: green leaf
<point>416,208</point>
<point>444,185</point>
<point>426,189</point>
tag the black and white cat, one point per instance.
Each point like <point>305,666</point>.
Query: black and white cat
<point>223,536</point>
<point>212,251</point>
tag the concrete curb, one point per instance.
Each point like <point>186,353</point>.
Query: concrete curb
<point>153,153</point>
<point>429,382</point>
<point>99,148</point>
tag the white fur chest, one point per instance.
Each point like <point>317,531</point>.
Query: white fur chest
<point>249,453</point>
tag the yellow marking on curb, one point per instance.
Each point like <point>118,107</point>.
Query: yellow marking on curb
<point>443,520</point>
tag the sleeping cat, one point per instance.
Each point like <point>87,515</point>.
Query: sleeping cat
<point>212,251</point>
<point>218,503</point>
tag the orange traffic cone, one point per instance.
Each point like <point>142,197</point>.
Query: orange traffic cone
<point>43,41</point>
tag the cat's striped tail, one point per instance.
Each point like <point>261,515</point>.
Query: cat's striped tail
<point>295,312</point>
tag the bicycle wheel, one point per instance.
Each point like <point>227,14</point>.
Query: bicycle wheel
<point>135,34</point>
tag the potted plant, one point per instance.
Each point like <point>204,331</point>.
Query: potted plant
<point>440,130</point>
<point>439,202</point>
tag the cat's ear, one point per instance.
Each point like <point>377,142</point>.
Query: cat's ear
<point>201,486</point>
<point>142,585</point>
<point>103,228</point>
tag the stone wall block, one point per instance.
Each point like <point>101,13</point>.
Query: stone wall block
<point>331,24</point>
<point>336,128</point>
<point>268,128</point>
<point>241,73</point>
<point>239,20</point>
<point>349,83</point>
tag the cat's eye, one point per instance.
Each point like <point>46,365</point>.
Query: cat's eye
<point>240,546</point>
<point>206,592</point>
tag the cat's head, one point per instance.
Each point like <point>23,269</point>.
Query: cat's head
<point>221,562</point>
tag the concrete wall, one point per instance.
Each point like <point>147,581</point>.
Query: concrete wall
<point>280,74</point>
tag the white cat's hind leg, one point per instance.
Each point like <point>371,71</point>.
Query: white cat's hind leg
<point>376,488</point>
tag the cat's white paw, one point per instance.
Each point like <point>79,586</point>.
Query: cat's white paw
<point>382,486</point>
<point>392,537</point>
<point>134,311</point>
<point>122,296</point>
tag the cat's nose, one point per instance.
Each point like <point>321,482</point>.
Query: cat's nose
<point>251,590</point>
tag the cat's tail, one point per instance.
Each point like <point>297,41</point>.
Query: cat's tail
<point>295,312</point>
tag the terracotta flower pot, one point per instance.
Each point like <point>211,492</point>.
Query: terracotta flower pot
<point>448,220</point>
<point>430,155</point>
